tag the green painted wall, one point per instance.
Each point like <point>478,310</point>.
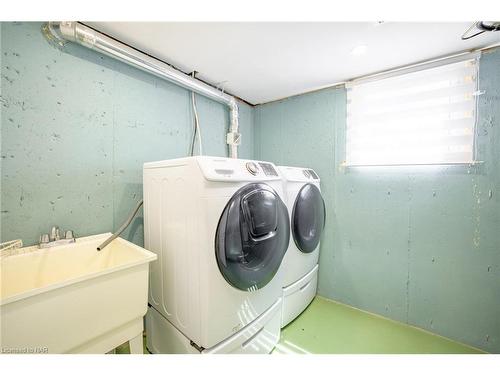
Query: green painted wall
<point>75,129</point>
<point>417,244</point>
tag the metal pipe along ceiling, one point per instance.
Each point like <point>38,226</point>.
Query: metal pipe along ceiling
<point>90,38</point>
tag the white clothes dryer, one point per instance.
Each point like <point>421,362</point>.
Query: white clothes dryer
<point>307,212</point>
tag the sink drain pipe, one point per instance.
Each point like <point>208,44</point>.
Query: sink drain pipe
<point>64,31</point>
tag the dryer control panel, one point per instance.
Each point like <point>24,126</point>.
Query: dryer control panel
<point>298,174</point>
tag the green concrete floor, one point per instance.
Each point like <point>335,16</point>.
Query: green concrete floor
<point>125,349</point>
<point>329,327</point>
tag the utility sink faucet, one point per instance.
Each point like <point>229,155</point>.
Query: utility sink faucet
<point>56,237</point>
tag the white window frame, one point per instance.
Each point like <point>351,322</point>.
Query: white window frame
<point>352,85</point>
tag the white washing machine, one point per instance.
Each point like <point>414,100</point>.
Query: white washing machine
<point>220,229</point>
<point>307,220</point>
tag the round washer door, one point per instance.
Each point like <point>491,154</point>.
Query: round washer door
<point>252,237</point>
<point>308,218</point>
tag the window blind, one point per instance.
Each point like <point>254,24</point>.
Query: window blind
<point>425,116</point>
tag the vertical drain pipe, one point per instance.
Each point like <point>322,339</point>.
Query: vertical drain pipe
<point>64,31</point>
<point>233,138</point>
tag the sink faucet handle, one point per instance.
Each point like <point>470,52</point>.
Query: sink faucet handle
<point>44,238</point>
<point>69,235</point>
<point>54,233</point>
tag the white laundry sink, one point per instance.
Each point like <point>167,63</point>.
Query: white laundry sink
<point>73,298</point>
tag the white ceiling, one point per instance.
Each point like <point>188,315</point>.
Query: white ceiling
<point>262,62</point>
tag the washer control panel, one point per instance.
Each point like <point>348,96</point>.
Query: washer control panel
<point>226,169</point>
<point>252,168</point>
<point>268,169</point>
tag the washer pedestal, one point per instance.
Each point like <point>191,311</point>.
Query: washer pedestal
<point>258,337</point>
<point>297,296</point>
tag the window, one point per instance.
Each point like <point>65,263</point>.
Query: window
<point>423,115</point>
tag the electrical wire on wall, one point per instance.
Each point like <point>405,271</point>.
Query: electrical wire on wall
<point>196,130</point>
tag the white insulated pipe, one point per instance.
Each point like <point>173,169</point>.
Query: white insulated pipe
<point>90,38</point>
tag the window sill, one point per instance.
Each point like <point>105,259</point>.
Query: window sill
<point>345,165</point>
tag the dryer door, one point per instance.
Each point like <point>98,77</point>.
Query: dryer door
<point>308,218</point>
<point>252,237</point>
